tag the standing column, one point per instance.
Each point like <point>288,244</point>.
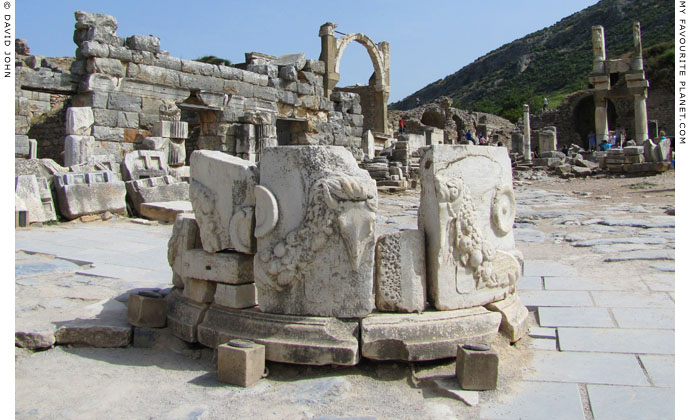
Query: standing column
<point>641,133</point>
<point>527,143</point>
<point>599,49</point>
<point>601,122</point>
<point>328,53</point>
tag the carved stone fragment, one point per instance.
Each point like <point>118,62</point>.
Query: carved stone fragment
<point>467,211</point>
<point>319,257</point>
<point>222,194</point>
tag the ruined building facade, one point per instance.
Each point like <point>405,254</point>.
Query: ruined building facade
<point>240,109</point>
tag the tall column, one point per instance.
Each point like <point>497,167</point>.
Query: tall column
<point>527,143</point>
<point>641,118</point>
<point>328,53</point>
<point>599,48</point>
<point>636,60</point>
<point>601,122</point>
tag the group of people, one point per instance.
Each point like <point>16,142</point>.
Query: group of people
<point>480,139</point>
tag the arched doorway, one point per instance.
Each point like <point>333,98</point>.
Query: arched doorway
<point>332,51</point>
<point>583,118</point>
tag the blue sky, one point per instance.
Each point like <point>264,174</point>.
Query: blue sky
<point>429,39</point>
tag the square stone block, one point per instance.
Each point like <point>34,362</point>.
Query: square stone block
<point>241,362</point>
<point>146,310</point>
<point>235,296</point>
<point>476,370</point>
<point>200,291</point>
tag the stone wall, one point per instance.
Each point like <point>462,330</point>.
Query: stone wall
<point>574,118</point>
<point>127,80</point>
<point>367,101</point>
<point>454,122</point>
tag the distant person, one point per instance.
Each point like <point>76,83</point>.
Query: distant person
<point>662,135</point>
<point>401,126</point>
<point>468,135</point>
<point>546,103</point>
<point>418,102</point>
<point>604,146</point>
<point>591,140</point>
<point>564,150</point>
<point>482,140</point>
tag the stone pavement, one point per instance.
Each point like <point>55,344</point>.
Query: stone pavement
<point>602,343</point>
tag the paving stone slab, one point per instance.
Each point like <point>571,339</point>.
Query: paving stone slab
<point>575,317</point>
<point>617,241</point>
<point>592,368</point>
<point>547,268</point>
<point>529,235</point>
<point>657,318</point>
<point>536,401</point>
<point>661,369</point>
<point>621,248</point>
<point>664,267</point>
<point>631,403</point>
<point>661,282</point>
<point>612,340</point>
<point>534,298</point>
<point>613,299</point>
<point>652,254</point>
<point>578,283</point>
<point>653,222</point>
<point>530,283</point>
<point>541,332</point>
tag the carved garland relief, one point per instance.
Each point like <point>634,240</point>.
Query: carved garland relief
<point>467,249</point>
<point>342,205</point>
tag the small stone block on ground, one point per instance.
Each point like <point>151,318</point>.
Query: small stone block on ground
<point>146,311</point>
<point>476,370</point>
<point>241,362</point>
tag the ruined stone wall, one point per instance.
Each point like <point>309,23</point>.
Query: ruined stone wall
<point>367,101</point>
<point>573,123</point>
<point>127,80</point>
<point>43,91</point>
<point>454,122</point>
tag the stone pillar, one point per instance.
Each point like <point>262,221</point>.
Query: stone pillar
<point>328,56</point>
<point>601,122</point>
<point>527,143</point>
<point>636,60</point>
<point>599,46</point>
<point>641,117</point>
<point>381,115</point>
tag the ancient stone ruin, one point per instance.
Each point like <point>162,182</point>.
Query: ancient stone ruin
<point>285,253</point>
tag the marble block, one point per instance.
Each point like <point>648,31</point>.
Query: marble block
<point>222,194</point>
<point>315,221</point>
<point>467,211</point>
<point>400,276</point>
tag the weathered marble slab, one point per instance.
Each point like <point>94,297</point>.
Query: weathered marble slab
<point>427,336</point>
<point>222,194</point>
<point>315,221</point>
<point>288,339</point>
<point>467,211</point>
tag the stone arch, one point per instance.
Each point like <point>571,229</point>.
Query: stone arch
<point>434,118</point>
<point>584,120</point>
<point>332,49</point>
<point>377,58</point>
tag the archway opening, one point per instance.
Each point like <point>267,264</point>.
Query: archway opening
<point>583,118</point>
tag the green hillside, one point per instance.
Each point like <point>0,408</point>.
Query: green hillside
<point>557,60</point>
